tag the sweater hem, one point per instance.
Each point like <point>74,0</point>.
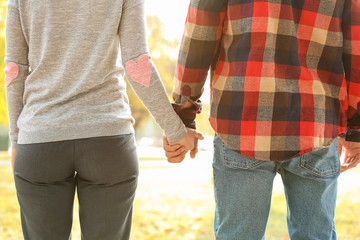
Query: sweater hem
<point>74,132</point>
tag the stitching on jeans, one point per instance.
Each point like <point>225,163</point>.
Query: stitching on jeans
<point>324,173</point>
<point>235,164</point>
<point>318,172</point>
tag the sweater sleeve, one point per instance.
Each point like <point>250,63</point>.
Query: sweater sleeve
<point>351,59</point>
<point>17,68</point>
<point>143,75</point>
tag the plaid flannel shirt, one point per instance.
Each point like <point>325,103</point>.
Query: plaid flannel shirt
<point>285,75</point>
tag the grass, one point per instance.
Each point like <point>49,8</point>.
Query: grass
<point>9,209</point>
<point>179,212</point>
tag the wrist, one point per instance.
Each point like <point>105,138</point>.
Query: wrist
<point>187,112</point>
<point>180,134</point>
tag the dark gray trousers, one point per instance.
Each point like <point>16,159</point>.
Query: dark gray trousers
<point>104,172</point>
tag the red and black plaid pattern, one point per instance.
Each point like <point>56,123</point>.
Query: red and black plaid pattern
<point>285,74</point>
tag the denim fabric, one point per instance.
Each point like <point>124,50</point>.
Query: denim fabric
<point>243,189</point>
<point>104,172</point>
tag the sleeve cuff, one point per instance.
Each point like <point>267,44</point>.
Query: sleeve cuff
<point>352,135</point>
<point>13,144</point>
<point>178,137</point>
<point>354,123</point>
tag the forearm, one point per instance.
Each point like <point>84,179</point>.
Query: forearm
<point>156,101</point>
<point>198,51</point>
<point>142,74</point>
<point>17,68</point>
<point>14,100</point>
<point>351,61</point>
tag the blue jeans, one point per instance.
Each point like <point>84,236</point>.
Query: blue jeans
<point>243,189</point>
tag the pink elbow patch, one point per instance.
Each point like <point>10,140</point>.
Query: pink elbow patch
<point>11,72</point>
<point>140,71</point>
<point>186,91</point>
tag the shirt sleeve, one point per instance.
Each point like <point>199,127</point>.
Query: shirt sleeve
<point>142,74</point>
<point>351,60</point>
<point>17,67</point>
<point>199,48</point>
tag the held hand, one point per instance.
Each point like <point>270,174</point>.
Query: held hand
<point>175,153</point>
<point>189,141</point>
<point>351,151</point>
<point>195,150</point>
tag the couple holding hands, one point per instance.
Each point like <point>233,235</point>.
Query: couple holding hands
<point>285,98</point>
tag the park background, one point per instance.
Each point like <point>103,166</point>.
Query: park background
<point>173,202</point>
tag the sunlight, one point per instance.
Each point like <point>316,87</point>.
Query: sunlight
<point>172,14</point>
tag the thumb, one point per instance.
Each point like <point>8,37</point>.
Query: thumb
<point>165,141</point>
<point>195,150</point>
<point>198,135</point>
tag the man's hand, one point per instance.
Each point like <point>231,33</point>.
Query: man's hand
<point>351,150</point>
<point>176,152</point>
<point>189,140</point>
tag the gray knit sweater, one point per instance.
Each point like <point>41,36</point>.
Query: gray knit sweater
<point>65,66</point>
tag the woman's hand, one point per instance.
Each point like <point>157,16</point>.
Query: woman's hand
<point>176,152</point>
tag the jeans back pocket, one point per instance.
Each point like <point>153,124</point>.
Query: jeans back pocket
<point>323,163</point>
<point>236,160</point>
